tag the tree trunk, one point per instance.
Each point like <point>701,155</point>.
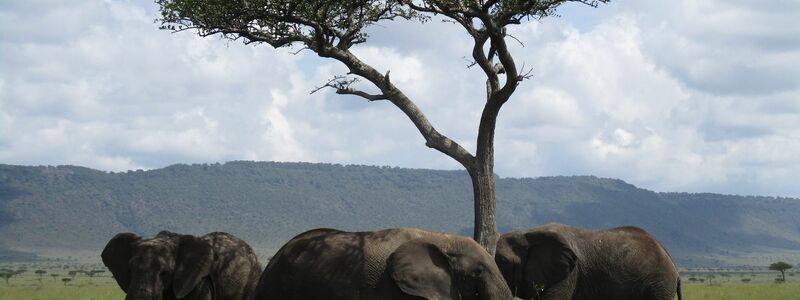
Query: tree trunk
<point>485,232</point>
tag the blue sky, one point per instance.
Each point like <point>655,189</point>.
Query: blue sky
<point>699,96</point>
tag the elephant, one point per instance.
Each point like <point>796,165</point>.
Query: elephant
<point>215,266</point>
<point>390,264</point>
<point>557,261</point>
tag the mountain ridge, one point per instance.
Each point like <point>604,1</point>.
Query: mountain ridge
<point>266,203</point>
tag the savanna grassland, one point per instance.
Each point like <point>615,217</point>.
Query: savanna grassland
<point>698,284</point>
<point>743,283</point>
<point>742,291</point>
<point>60,281</point>
<point>104,288</point>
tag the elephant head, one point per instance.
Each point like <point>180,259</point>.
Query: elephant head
<point>532,261</point>
<point>147,268</point>
<point>460,269</point>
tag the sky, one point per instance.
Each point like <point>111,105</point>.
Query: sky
<point>683,95</point>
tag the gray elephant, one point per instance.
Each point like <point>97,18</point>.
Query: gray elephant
<point>215,266</point>
<point>557,261</point>
<point>391,264</point>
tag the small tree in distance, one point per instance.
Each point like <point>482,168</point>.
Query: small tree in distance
<point>66,280</point>
<point>19,271</point>
<point>92,273</point>
<point>780,266</point>
<point>54,276</point>
<point>710,278</point>
<point>331,27</point>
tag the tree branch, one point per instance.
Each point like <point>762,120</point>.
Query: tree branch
<point>433,138</point>
<point>370,97</point>
<point>485,63</point>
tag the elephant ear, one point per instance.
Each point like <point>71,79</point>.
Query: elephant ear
<point>117,254</point>
<point>195,257</point>
<point>421,269</point>
<point>549,258</point>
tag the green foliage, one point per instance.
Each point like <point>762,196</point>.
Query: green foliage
<point>281,23</point>
<point>320,23</point>
<point>780,266</point>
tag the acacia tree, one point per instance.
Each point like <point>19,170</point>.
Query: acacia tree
<point>330,28</point>
<point>780,266</point>
<point>92,273</point>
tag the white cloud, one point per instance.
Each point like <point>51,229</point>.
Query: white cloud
<point>679,96</point>
<point>725,47</point>
<point>279,136</point>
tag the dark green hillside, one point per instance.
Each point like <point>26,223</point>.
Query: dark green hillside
<point>75,208</point>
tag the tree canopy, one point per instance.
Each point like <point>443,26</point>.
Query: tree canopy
<point>318,23</point>
<point>780,266</point>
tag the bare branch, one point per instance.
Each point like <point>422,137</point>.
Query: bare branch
<point>299,50</point>
<point>516,39</point>
<point>342,85</point>
<point>525,74</point>
<point>338,82</point>
<point>370,97</point>
<point>470,63</point>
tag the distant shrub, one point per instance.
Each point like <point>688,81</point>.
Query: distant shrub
<point>40,273</point>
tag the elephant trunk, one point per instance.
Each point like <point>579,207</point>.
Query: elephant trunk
<point>143,295</point>
<point>144,289</point>
<point>495,288</point>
